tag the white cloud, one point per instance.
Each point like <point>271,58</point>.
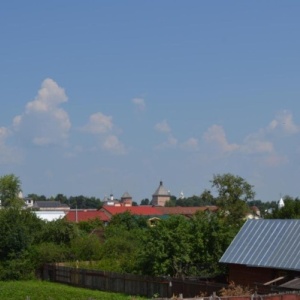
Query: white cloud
<point>7,154</point>
<point>254,143</point>
<point>171,142</point>
<point>264,140</point>
<point>112,144</point>
<point>4,133</point>
<point>102,127</point>
<point>190,144</point>
<point>43,121</point>
<point>274,160</point>
<point>163,127</point>
<point>216,135</point>
<point>98,124</point>
<point>284,123</point>
<point>139,103</point>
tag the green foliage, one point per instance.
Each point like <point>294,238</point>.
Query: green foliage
<point>165,249</point>
<point>206,198</point>
<point>128,221</point>
<point>86,248</point>
<point>10,187</point>
<point>175,246</point>
<point>59,232</point>
<point>181,247</point>
<point>120,248</point>
<point>36,197</point>
<point>291,209</point>
<point>48,252</point>
<point>82,202</point>
<point>211,237</point>
<point>145,201</point>
<point>17,231</point>
<point>233,194</point>
<point>90,225</point>
<point>20,268</point>
<point>171,202</point>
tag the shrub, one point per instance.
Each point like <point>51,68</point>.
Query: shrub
<point>235,290</point>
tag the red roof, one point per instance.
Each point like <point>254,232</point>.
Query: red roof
<point>142,210</point>
<point>187,210</point>
<point>85,215</point>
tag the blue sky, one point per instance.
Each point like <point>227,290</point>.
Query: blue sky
<point>101,97</point>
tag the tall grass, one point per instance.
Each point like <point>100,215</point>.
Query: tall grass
<point>43,290</point>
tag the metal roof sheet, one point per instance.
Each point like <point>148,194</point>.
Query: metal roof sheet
<point>266,243</point>
<point>292,284</point>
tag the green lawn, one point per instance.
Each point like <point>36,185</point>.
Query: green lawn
<point>43,290</point>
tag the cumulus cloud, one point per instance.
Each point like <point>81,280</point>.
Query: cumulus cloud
<point>216,135</point>
<point>169,143</point>
<point>4,133</point>
<point>139,103</point>
<point>99,123</point>
<point>163,127</point>
<point>7,154</point>
<point>274,160</point>
<point>44,122</point>
<point>112,144</point>
<point>103,128</point>
<point>263,141</point>
<point>284,123</point>
<point>262,145</point>
<point>190,144</point>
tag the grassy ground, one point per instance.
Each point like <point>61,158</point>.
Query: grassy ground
<point>43,290</point>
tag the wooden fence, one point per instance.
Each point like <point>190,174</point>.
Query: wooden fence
<point>130,284</point>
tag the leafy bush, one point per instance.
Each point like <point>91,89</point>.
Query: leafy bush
<point>48,253</point>
<point>86,248</point>
<point>17,269</point>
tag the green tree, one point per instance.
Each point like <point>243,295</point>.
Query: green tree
<point>128,221</point>
<point>86,248</point>
<point>36,197</point>
<point>90,225</point>
<point>166,249</point>
<point>18,231</point>
<point>171,202</point>
<point>291,209</point>
<point>206,198</point>
<point>61,198</point>
<point>60,232</point>
<point>122,241</point>
<point>145,201</point>
<point>180,247</point>
<point>233,194</point>
<point>211,237</point>
<point>10,187</point>
<point>82,202</point>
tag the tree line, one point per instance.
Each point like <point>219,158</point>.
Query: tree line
<point>173,246</point>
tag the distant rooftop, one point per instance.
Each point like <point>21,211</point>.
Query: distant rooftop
<point>161,190</point>
<point>126,195</point>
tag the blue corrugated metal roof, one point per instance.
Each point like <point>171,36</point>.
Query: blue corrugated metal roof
<point>266,243</point>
